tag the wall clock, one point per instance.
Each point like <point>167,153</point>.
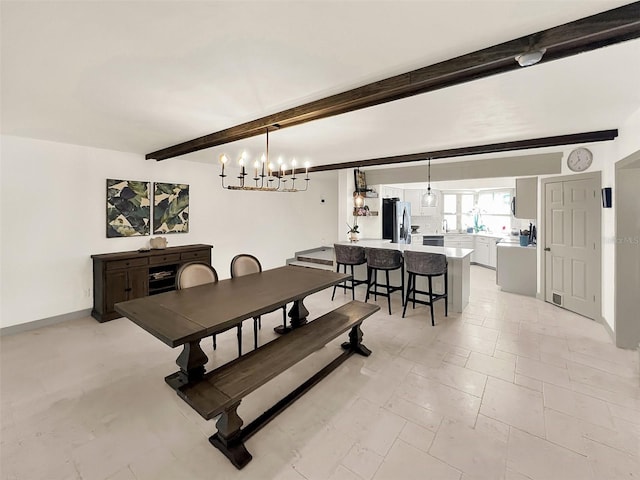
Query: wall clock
<point>579,159</point>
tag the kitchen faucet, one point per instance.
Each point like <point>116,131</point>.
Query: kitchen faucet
<point>444,226</point>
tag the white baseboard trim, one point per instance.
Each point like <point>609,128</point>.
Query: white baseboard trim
<point>608,328</point>
<point>44,322</point>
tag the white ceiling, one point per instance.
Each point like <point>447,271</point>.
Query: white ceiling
<point>140,76</point>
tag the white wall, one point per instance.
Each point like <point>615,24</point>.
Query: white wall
<point>53,218</point>
<point>627,143</point>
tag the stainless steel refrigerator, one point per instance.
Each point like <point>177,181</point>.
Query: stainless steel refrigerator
<point>396,220</point>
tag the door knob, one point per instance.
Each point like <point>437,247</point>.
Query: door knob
<point>547,249</point>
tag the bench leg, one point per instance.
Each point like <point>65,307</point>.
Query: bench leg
<point>228,439</point>
<point>191,362</point>
<point>355,342</point>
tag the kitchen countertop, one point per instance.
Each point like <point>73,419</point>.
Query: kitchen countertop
<point>484,234</point>
<point>378,243</point>
<point>515,244</point>
<point>499,237</point>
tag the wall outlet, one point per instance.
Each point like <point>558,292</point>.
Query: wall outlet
<point>87,293</point>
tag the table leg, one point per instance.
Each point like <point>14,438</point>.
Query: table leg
<point>191,362</point>
<point>298,315</point>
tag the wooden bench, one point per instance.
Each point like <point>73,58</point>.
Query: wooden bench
<point>220,391</point>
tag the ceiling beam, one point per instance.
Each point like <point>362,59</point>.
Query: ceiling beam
<point>570,139</point>
<point>589,33</point>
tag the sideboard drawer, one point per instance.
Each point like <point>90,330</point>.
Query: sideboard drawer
<point>132,262</point>
<point>195,255</point>
<point>160,259</point>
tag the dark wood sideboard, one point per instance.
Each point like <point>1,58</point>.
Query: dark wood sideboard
<point>122,276</point>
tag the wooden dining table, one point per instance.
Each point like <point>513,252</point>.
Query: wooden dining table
<point>184,317</point>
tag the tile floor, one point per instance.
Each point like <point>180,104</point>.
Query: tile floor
<point>511,389</point>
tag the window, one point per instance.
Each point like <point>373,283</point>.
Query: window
<point>450,211</point>
<point>494,210</point>
<point>482,211</point>
<point>466,209</point>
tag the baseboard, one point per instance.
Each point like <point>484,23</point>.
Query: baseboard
<point>608,328</point>
<point>45,322</point>
<point>488,267</point>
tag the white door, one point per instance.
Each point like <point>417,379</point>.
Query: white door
<point>572,238</point>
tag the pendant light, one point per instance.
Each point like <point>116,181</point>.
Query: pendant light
<point>429,199</point>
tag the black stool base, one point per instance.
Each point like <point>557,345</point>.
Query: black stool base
<point>353,282</point>
<point>374,287</point>
<point>433,297</point>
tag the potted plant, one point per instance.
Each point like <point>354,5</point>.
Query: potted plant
<point>353,231</point>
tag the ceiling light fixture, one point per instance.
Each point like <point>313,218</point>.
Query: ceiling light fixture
<point>527,59</point>
<point>429,199</point>
<point>266,173</point>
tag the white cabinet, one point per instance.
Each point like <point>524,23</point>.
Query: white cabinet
<point>458,241</point>
<point>451,241</point>
<point>485,250</point>
<point>493,247</point>
<point>481,251</point>
<point>526,202</point>
<point>413,197</point>
<point>484,247</point>
<point>391,192</point>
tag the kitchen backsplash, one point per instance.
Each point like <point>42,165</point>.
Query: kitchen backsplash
<point>428,224</point>
<point>432,224</point>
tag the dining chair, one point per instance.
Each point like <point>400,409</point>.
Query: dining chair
<point>430,265</point>
<point>194,274</point>
<point>246,264</point>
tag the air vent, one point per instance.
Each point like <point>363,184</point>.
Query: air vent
<point>557,299</point>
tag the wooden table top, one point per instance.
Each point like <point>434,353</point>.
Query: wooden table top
<point>187,315</point>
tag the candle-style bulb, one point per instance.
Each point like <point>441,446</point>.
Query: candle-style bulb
<point>224,159</point>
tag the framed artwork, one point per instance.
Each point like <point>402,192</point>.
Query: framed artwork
<point>170,208</point>
<point>128,208</point>
<point>360,180</point>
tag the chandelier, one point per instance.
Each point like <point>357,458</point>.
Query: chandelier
<point>267,177</point>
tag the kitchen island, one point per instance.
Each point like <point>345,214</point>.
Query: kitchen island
<point>459,260</point>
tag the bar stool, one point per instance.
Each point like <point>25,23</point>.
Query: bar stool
<point>351,256</point>
<point>423,264</point>
<point>385,260</point>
